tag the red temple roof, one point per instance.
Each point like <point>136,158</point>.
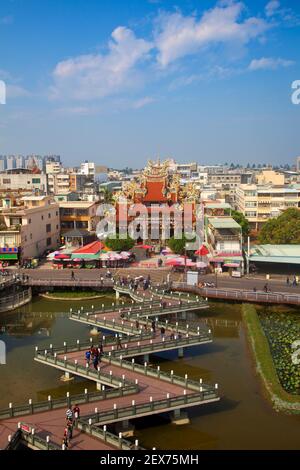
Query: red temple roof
<point>155,192</point>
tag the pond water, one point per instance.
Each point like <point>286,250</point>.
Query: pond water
<point>243,419</point>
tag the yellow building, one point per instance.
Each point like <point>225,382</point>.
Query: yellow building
<point>260,203</point>
<point>78,215</point>
<point>270,177</point>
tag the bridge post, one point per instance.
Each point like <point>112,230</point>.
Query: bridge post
<point>98,386</point>
<point>179,417</point>
<point>180,353</point>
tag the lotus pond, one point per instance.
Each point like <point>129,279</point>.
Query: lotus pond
<point>282,328</point>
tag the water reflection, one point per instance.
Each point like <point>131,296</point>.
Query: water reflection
<point>241,420</point>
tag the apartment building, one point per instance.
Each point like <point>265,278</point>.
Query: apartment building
<point>224,240</point>
<point>28,226</point>
<point>270,177</point>
<point>23,179</point>
<point>260,203</point>
<point>64,182</point>
<point>78,215</point>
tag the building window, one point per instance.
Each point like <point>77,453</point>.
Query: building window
<point>48,228</point>
<point>49,216</point>
<point>36,181</point>
<point>48,241</point>
<point>42,217</point>
<point>31,236</point>
<point>29,221</point>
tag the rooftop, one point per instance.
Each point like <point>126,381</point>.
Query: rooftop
<point>276,253</point>
<point>223,223</point>
<point>76,204</point>
<point>215,205</point>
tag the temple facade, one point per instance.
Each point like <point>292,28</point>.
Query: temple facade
<point>159,202</point>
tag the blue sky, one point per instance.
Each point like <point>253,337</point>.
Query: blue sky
<point>119,82</point>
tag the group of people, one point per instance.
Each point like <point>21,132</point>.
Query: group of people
<point>93,355</point>
<point>135,283</point>
<point>294,282</point>
<point>173,336</point>
<point>72,416</point>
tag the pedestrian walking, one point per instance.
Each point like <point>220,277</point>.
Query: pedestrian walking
<point>69,430</point>
<point>153,325</point>
<point>137,324</point>
<point>69,415</point>
<point>88,357</point>
<point>96,362</point>
<point>72,275</point>
<point>76,413</point>
<point>162,332</point>
<point>118,341</point>
<point>65,441</point>
<point>288,281</point>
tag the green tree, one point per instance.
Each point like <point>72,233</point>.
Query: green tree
<point>119,244</point>
<point>242,221</point>
<point>283,230</point>
<point>107,196</point>
<point>178,246</point>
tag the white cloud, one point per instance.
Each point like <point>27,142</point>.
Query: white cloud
<point>177,36</point>
<point>269,63</point>
<point>138,104</point>
<point>15,91</point>
<point>99,75</point>
<point>272,8</point>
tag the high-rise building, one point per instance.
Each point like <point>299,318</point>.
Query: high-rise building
<point>298,164</point>
<point>10,162</point>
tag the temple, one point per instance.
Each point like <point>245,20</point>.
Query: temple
<point>159,190</point>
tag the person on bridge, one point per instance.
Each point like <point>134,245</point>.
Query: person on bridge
<point>76,413</point>
<point>96,362</point>
<point>137,324</point>
<point>118,341</point>
<point>162,332</point>
<point>65,442</point>
<point>69,415</point>
<point>153,325</point>
<point>88,357</point>
<point>288,281</point>
<point>72,275</point>
<point>69,430</point>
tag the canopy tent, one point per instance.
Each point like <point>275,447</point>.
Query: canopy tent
<point>201,265</point>
<point>91,251</point>
<point>61,256</point>
<point>144,247</point>
<point>203,251</point>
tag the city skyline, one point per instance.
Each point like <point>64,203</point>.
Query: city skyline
<point>197,81</point>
